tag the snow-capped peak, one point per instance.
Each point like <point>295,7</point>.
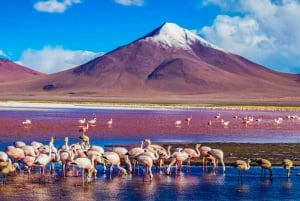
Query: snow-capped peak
<point>172,35</point>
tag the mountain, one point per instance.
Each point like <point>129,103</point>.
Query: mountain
<point>169,62</point>
<point>10,72</point>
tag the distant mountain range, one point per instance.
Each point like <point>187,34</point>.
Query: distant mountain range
<point>169,63</point>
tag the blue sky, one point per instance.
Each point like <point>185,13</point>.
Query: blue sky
<point>53,35</point>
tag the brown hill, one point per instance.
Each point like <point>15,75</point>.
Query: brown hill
<point>170,64</point>
<point>11,72</point>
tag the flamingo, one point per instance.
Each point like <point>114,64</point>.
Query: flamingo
<point>110,122</point>
<point>225,123</point>
<point>82,121</point>
<point>44,158</point>
<point>164,155</point>
<point>86,164</point>
<point>288,165</point>
<point>204,153</point>
<point>27,123</point>
<point>15,153</point>
<point>3,156</point>
<point>188,120</point>
<point>93,121</point>
<point>178,158</point>
<point>28,162</point>
<point>218,155</point>
<point>177,123</point>
<point>19,144</point>
<point>146,159</point>
<point>84,129</point>
<point>265,165</point>
<point>193,153</point>
<point>134,152</point>
<point>113,158</point>
<point>123,154</point>
<point>6,168</point>
<point>242,166</point>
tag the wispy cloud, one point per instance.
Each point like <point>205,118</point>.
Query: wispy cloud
<point>54,59</point>
<point>54,6</point>
<point>130,2</point>
<point>262,30</point>
<point>2,53</point>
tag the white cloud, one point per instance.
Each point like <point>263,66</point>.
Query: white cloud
<point>54,6</point>
<point>264,31</point>
<point>54,59</point>
<point>130,2</point>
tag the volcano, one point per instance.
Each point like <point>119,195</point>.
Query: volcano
<point>169,62</point>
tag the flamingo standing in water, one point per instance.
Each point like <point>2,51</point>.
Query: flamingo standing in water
<point>242,166</point>
<point>218,155</point>
<point>113,159</point>
<point>86,164</point>
<point>110,122</point>
<point>188,120</point>
<point>178,158</point>
<point>288,165</point>
<point>6,168</point>
<point>27,123</point>
<point>265,165</point>
<point>93,121</point>
<point>193,153</point>
<point>82,121</point>
<point>146,159</point>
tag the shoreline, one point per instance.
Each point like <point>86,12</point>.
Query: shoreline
<point>275,152</point>
<point>141,105</point>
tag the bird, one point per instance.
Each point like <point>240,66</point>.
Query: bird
<point>110,122</point>
<point>133,152</point>
<point>147,162</point>
<point>93,121</point>
<point>218,155</point>
<point>82,121</point>
<point>193,153</point>
<point>123,154</point>
<point>84,129</point>
<point>85,164</point>
<point>225,123</point>
<point>265,165</point>
<point>204,153</point>
<point>288,165</point>
<point>7,167</point>
<point>177,123</point>
<point>27,123</point>
<point>178,158</point>
<point>242,166</point>
<point>113,159</point>
<point>188,120</point>
<point>3,156</point>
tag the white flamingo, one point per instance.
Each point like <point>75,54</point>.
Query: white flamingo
<point>178,158</point>
<point>86,164</point>
<point>113,159</point>
<point>193,153</point>
<point>218,155</point>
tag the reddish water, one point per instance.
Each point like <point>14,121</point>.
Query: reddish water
<point>132,126</point>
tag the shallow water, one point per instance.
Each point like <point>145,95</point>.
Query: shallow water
<point>130,127</point>
<point>195,185</point>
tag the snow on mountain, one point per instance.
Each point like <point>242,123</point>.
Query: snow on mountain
<point>172,35</point>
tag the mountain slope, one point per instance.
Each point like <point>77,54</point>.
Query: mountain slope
<point>11,72</point>
<point>169,61</point>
